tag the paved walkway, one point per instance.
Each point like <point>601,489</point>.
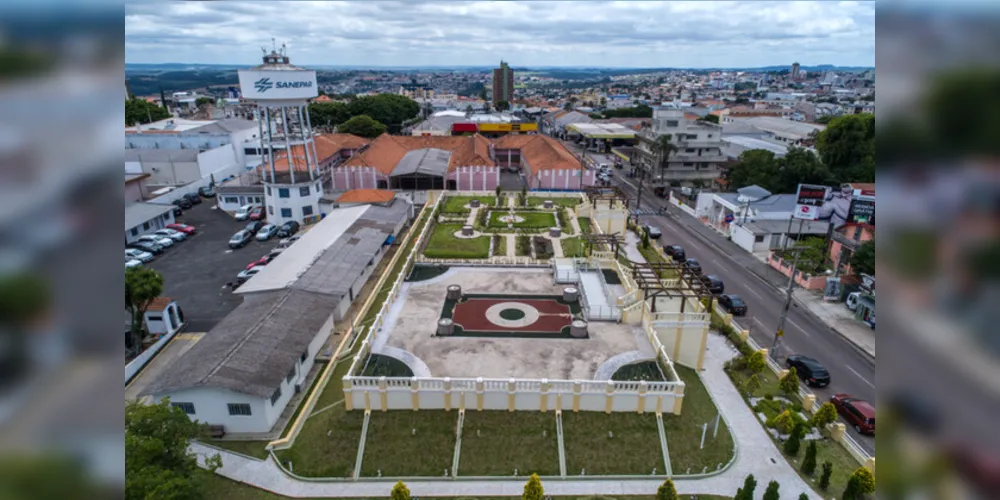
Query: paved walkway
<point>838,317</point>
<point>757,455</point>
<point>632,247</point>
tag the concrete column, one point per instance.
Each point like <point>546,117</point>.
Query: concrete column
<point>368,401</point>
<point>480,388</point>
<point>545,395</point>
<point>781,373</point>
<point>348,401</point>
<point>382,394</point>
<point>677,342</point>
<point>870,464</point>
<point>447,394</point>
<point>809,402</point>
<point>678,399</point>
<point>643,389</point>
<point>511,385</point>
<point>577,387</point>
<point>764,352</point>
<point>837,431</point>
<point>609,397</point>
<point>744,335</point>
<point>415,393</point>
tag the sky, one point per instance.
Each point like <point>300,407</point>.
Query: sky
<point>529,33</point>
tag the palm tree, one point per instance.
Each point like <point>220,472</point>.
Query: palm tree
<point>662,148</point>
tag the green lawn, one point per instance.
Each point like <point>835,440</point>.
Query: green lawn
<point>537,201</point>
<point>499,245</point>
<point>508,441</point>
<point>443,244</point>
<point>572,247</point>
<point>584,224</point>
<point>633,449</point>
<point>327,445</point>
<point>392,447</point>
<point>456,204</point>
<point>684,431</point>
<point>531,219</point>
<point>645,370</point>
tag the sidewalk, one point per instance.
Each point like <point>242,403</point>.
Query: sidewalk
<point>756,454</point>
<point>839,317</point>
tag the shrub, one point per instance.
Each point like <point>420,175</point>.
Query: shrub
<point>523,245</point>
<point>567,228</point>
<point>794,441</point>
<point>784,422</point>
<point>666,491</point>
<point>533,489</point>
<point>483,217</point>
<point>746,492</point>
<point>789,384</point>
<point>543,247</point>
<point>751,384</point>
<point>645,240</point>
<point>756,362</point>
<point>824,478</point>
<point>827,414</point>
<point>809,462</point>
<point>803,496</point>
<point>771,493</point>
<point>498,191</point>
<point>865,481</point>
<point>400,492</point>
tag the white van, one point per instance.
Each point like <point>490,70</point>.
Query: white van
<point>852,300</point>
<point>243,212</point>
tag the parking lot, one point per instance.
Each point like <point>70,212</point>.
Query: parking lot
<point>195,271</point>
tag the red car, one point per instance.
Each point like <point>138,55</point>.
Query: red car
<point>857,412</point>
<point>184,228</point>
<point>263,261</point>
<point>257,214</point>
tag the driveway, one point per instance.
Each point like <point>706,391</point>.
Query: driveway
<point>195,271</point>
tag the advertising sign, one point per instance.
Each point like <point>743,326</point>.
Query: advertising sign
<point>808,201</point>
<point>862,210</point>
<point>278,85</point>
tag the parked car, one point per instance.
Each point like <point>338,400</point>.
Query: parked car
<point>287,229</point>
<point>859,413</point>
<point>693,265</point>
<point>183,203</point>
<point>240,239</point>
<point>713,283</point>
<point>732,304</point>
<point>145,246</point>
<point>675,252</point>
<point>809,370</point>
<point>287,242</point>
<point>275,253</point>
<point>852,300</point>
<point>207,191</point>
<point>178,212</point>
<point>652,232</point>
<point>263,261</point>
<point>170,233</point>
<point>254,226</point>
<point>247,274</point>
<point>266,232</point>
<point>257,214</point>
<point>140,255</point>
<point>132,262</point>
<point>193,198</point>
<point>184,228</point>
<point>159,240</point>
<point>243,212</point>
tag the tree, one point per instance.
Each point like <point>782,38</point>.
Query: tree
<point>794,442</point>
<point>400,492</point>
<point>809,462</point>
<point>482,94</point>
<point>801,166</point>
<point>746,492</point>
<point>662,148</point>
<point>784,422</point>
<point>499,191</point>
<point>25,298</point>
<point>138,111</point>
<point>826,415</point>
<point>666,491</point>
<point>961,107</point>
<point>48,476</point>
<point>824,478</point>
<point>789,384</point>
<point>203,101</point>
<point>533,489</point>
<point>389,109</point>
<point>502,105</point>
<point>710,118</point>
<point>362,126</point>
<point>847,147</point>
<point>812,254</point>
<point>568,106</point>
<point>751,384</point>
<point>604,101</point>
<point>327,115</point>
<point>755,166</point>
<point>861,483</point>
<point>157,462</point>
<point>771,493</point>
<point>803,496</point>
<point>645,240</point>
<point>756,362</point>
<point>863,260</point>
<point>142,285</point>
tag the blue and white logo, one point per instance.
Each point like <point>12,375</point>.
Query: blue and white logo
<point>263,85</point>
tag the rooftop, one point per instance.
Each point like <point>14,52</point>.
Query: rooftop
<point>776,203</point>
<point>746,142</point>
<point>366,196</point>
<point>797,130</point>
<point>139,212</point>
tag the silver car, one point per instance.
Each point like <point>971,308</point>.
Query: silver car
<point>267,232</point>
<point>171,233</point>
<point>159,240</point>
<point>136,254</point>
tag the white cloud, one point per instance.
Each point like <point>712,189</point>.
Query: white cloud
<point>411,33</point>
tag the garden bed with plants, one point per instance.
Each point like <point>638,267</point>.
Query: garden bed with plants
<point>536,220</point>
<point>457,204</point>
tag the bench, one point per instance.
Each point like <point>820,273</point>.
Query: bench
<point>217,431</point>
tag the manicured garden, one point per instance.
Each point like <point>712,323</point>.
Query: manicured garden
<point>572,247</point>
<point>442,244</point>
<point>531,220</point>
<point>496,443</point>
<point>569,202</point>
<point>457,204</point>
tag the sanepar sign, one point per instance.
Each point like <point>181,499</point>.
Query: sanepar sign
<point>278,85</point>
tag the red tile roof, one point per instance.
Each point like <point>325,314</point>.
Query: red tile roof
<point>386,150</point>
<point>327,145</point>
<point>159,304</point>
<point>366,196</point>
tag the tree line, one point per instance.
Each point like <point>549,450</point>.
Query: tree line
<point>368,116</point>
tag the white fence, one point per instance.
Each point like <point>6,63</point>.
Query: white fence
<point>134,366</point>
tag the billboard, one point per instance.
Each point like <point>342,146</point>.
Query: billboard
<point>862,210</point>
<point>278,85</point>
<point>808,201</point>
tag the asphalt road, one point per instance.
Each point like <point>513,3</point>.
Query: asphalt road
<point>851,371</point>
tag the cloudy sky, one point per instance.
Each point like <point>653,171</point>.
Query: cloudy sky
<point>530,33</point>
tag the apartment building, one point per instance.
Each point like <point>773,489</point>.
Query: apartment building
<point>699,156</point>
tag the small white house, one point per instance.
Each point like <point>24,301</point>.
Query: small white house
<point>142,218</point>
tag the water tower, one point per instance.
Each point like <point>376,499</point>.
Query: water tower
<point>291,176</point>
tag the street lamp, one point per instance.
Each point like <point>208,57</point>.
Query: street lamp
<point>780,332</point>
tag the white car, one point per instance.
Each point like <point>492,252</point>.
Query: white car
<point>170,233</point>
<point>159,240</point>
<point>249,273</point>
<point>136,254</point>
<point>287,242</point>
<point>243,212</point>
<point>132,263</point>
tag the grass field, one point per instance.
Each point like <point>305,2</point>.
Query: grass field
<point>537,201</point>
<point>531,219</point>
<point>684,431</point>
<point>584,224</point>
<point>327,445</point>
<point>508,441</point>
<point>392,447</point>
<point>572,247</point>
<point>456,204</point>
<point>443,244</point>
<point>634,449</point>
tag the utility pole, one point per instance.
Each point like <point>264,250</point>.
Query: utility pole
<point>776,345</point>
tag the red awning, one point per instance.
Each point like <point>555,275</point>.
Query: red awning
<point>464,127</point>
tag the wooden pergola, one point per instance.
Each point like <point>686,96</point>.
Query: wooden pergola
<point>611,241</point>
<point>649,278</point>
<point>609,194</point>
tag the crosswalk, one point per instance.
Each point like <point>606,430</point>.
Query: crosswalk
<point>649,211</point>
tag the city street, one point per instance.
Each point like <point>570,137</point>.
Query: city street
<point>851,370</point>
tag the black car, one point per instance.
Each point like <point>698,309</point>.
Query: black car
<point>652,232</point>
<point>193,198</point>
<point>146,246</point>
<point>206,191</point>
<point>713,283</point>
<point>287,229</point>
<point>809,370</point>
<point>693,265</point>
<point>255,225</point>
<point>178,211</point>
<point>732,304</point>
<point>183,203</point>
<point>676,252</point>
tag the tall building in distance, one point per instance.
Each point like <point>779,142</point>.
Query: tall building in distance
<point>503,83</point>
<point>795,71</point>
